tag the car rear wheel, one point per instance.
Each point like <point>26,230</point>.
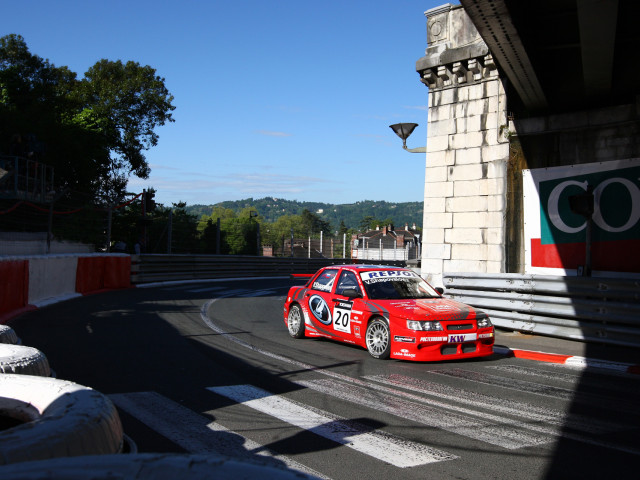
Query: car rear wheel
<point>378,339</point>
<point>295,322</point>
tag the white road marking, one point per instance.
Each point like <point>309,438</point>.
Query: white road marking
<point>387,448</point>
<point>193,432</point>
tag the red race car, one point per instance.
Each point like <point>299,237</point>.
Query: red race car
<point>390,311</point>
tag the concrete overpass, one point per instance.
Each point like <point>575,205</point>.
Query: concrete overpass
<point>521,95</point>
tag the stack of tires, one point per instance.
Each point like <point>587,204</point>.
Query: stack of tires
<point>54,429</point>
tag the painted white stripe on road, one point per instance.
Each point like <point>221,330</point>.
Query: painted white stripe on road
<point>387,448</point>
<point>193,432</point>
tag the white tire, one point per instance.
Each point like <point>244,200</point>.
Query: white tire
<point>8,335</point>
<point>148,466</point>
<point>23,360</point>
<point>58,419</point>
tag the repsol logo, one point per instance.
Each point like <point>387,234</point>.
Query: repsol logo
<point>616,209</point>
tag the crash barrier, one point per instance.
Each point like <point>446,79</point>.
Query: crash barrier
<point>591,309</point>
<point>29,282</point>
<point>148,268</point>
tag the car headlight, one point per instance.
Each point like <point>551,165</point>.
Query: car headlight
<point>425,326</point>
<point>484,322</point>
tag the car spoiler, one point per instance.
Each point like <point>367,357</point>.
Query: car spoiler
<point>301,275</point>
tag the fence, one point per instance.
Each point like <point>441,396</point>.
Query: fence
<point>161,268</point>
<point>602,310</point>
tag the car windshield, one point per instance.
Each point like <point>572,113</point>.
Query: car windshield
<point>396,284</point>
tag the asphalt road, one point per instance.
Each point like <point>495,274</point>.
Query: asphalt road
<point>210,368</point>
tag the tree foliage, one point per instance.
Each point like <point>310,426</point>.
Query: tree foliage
<point>92,131</point>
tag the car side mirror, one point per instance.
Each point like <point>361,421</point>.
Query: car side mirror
<point>440,290</point>
<point>352,293</point>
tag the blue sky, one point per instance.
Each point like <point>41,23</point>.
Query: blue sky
<point>285,98</point>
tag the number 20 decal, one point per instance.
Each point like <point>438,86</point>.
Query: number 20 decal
<point>342,319</point>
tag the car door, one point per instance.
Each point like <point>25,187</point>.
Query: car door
<point>319,301</point>
<point>347,292</point>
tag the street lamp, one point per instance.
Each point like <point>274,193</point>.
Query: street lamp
<point>403,130</point>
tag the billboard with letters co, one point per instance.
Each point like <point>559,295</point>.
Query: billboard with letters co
<point>555,236</point>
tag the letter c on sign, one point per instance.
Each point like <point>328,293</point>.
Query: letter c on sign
<point>552,206</point>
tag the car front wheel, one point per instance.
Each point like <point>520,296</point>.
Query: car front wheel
<point>378,339</point>
<point>295,322</point>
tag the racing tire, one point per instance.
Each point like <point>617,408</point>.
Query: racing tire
<point>8,335</point>
<point>23,360</point>
<point>378,339</point>
<point>295,322</point>
<point>51,418</point>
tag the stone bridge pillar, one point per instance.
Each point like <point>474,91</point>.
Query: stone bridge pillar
<point>467,150</point>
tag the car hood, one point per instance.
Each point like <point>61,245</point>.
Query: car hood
<point>428,309</point>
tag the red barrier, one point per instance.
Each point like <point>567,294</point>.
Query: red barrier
<point>117,272</point>
<point>14,285</point>
<point>102,272</point>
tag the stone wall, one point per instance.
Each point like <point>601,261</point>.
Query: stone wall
<point>467,150</point>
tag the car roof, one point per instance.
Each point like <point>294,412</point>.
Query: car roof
<point>359,267</point>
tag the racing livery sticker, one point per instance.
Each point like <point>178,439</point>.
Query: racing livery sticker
<point>342,316</point>
<point>399,338</point>
<point>463,337</point>
<point>320,309</point>
<point>386,275</point>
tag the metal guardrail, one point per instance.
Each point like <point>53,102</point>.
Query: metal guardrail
<point>146,268</point>
<point>590,309</point>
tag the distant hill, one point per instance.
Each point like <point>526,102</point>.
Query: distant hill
<point>271,208</point>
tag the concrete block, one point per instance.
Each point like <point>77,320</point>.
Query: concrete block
<point>497,169</point>
<point>472,236</point>
<point>438,189</point>
<point>495,152</point>
<point>433,235</point>
<point>466,140</point>
<point>435,174</point>
<point>467,188</point>
<point>476,91</point>
<point>496,203</point>
<point>437,220</point>
<point>478,107</point>
<point>495,219</point>
<point>495,267</point>
<point>465,172</point>
<point>467,204</point>
<point>442,158</point>
<point>438,113</point>
<point>468,156</point>
<point>470,220</point>
<point>435,204</point>
<point>437,144</point>
<point>461,266</point>
<point>437,250</point>
<point>495,253</point>
<point>494,236</point>
<point>469,252</point>
<point>442,127</point>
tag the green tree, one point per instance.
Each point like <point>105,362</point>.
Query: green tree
<point>93,131</point>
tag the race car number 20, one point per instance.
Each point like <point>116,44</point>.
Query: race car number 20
<point>342,317</point>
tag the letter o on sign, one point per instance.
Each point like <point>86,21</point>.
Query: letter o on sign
<point>634,191</point>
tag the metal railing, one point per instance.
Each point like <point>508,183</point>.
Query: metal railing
<point>591,309</point>
<point>146,268</point>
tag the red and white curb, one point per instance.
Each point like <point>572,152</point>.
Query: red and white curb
<point>570,360</point>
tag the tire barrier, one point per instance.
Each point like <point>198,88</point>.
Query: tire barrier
<point>55,418</point>
<point>148,466</point>
<point>23,360</point>
<point>8,335</point>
